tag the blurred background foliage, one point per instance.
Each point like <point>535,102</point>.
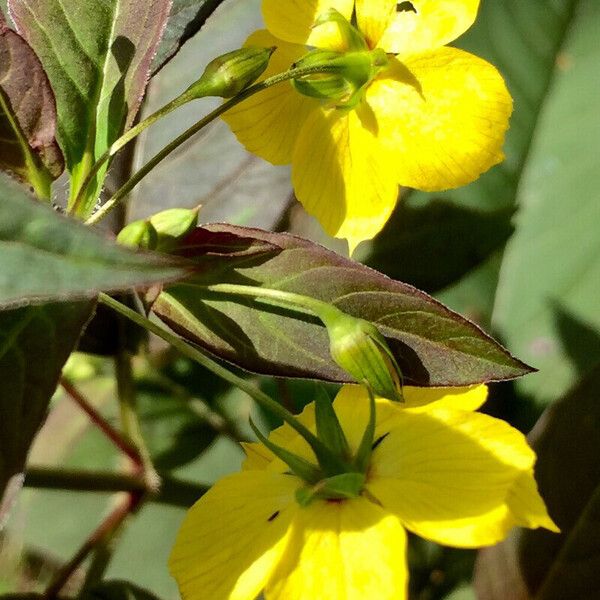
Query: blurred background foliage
<point>517,251</point>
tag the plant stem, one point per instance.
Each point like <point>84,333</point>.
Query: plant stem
<point>160,156</point>
<point>127,137</point>
<point>173,491</point>
<point>83,481</point>
<point>103,532</point>
<point>182,346</point>
<point>323,310</point>
<point>99,421</point>
<point>129,417</point>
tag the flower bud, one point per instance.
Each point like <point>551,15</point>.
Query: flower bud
<point>359,348</point>
<point>229,74</point>
<point>172,225</point>
<point>346,77</point>
<point>139,234</point>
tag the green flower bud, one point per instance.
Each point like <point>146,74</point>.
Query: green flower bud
<point>229,74</point>
<point>347,77</point>
<point>139,234</point>
<point>359,348</point>
<point>172,225</point>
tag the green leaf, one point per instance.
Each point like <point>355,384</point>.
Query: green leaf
<point>45,256</point>
<point>28,147</point>
<point>433,346</point>
<point>186,19</point>
<point>539,564</point>
<point>97,57</point>
<point>35,342</point>
<point>552,264</point>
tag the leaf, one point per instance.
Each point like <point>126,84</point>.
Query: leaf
<point>434,245</point>
<point>35,343</point>
<point>552,264</point>
<point>97,57</point>
<point>186,19</point>
<point>45,256</point>
<point>28,147</point>
<point>433,346</point>
<point>539,564</point>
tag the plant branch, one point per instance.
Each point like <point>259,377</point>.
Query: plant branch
<point>100,536</point>
<point>129,417</point>
<point>187,350</point>
<point>212,116</point>
<point>99,421</point>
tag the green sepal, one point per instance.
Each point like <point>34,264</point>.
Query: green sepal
<point>339,487</point>
<point>299,466</point>
<point>329,429</point>
<point>365,449</point>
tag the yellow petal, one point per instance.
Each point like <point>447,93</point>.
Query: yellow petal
<point>351,550</point>
<point>527,506</point>
<point>444,115</point>
<point>342,175</point>
<point>461,398</point>
<point>292,20</point>
<point>434,24</point>
<point>446,474</point>
<point>374,18</point>
<point>233,537</point>
<point>258,456</point>
<point>268,123</point>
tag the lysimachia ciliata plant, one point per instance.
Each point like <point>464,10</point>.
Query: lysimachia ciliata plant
<point>361,98</point>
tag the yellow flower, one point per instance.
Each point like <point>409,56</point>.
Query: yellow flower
<point>438,469</point>
<point>433,119</point>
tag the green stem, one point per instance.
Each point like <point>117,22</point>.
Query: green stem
<point>323,310</point>
<point>160,156</point>
<point>127,137</point>
<point>182,346</point>
<point>173,491</point>
<point>129,417</point>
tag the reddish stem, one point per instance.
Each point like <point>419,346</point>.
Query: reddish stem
<point>99,421</point>
<point>103,532</point>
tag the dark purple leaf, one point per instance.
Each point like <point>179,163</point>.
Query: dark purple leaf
<point>433,345</point>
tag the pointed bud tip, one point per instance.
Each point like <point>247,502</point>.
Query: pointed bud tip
<point>359,348</point>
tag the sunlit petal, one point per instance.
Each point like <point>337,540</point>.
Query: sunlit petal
<point>447,474</point>
<point>342,175</point>
<point>232,538</point>
<point>292,20</point>
<point>350,549</point>
<point>444,115</point>
<point>428,25</point>
<point>374,18</point>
